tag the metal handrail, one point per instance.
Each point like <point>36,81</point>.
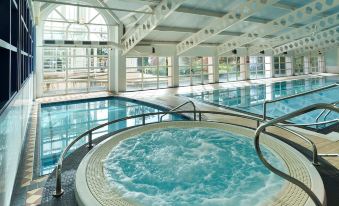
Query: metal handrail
<point>181,105</point>
<point>59,191</point>
<point>314,123</point>
<point>315,160</point>
<point>294,95</point>
<point>328,112</point>
<point>58,188</point>
<point>283,118</point>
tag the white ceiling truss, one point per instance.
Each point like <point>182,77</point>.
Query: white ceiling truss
<point>161,12</point>
<point>238,14</point>
<point>278,24</point>
<point>324,38</point>
<point>304,31</point>
<point>328,36</point>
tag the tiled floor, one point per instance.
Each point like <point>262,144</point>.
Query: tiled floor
<point>28,190</point>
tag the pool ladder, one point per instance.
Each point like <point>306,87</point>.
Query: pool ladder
<point>326,113</point>
<point>181,105</point>
<point>261,127</point>
<point>282,119</point>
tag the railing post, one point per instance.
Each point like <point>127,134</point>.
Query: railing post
<point>143,120</point>
<point>58,190</point>
<point>200,116</point>
<point>315,160</point>
<point>264,112</point>
<point>90,142</point>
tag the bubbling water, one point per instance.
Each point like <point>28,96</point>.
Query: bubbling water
<point>191,166</point>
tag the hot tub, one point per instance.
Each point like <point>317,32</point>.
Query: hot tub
<point>192,163</point>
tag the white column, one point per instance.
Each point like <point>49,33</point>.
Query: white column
<point>117,68</point>
<point>292,66</point>
<point>175,63</point>
<point>244,71</point>
<point>268,67</point>
<point>306,65</point>
<point>216,69</point>
<point>288,66</point>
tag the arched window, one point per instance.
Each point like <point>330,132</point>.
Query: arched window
<point>71,68</point>
<point>75,23</point>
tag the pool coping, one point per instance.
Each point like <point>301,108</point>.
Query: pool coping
<point>315,181</point>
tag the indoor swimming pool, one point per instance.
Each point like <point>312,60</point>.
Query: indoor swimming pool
<point>60,123</point>
<point>250,99</point>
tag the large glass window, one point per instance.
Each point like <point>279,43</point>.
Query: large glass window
<point>144,73</point>
<point>314,66</point>
<point>257,67</point>
<point>71,69</point>
<point>195,70</point>
<point>75,23</point>
<point>281,66</point>
<point>229,69</point>
<point>298,65</point>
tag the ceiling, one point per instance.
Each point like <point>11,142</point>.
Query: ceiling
<point>194,15</point>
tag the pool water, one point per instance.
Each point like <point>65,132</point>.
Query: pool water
<point>60,123</point>
<point>192,166</point>
<point>250,98</point>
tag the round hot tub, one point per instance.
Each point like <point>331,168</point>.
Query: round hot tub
<point>192,163</point>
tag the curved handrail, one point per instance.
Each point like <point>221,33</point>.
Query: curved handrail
<point>282,119</point>
<point>181,105</point>
<point>315,160</point>
<point>58,191</point>
<point>294,95</point>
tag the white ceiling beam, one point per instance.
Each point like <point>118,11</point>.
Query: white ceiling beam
<point>161,12</point>
<point>325,37</point>
<point>238,14</point>
<point>295,34</point>
<point>298,15</point>
<point>209,13</point>
<point>322,47</point>
<point>92,6</point>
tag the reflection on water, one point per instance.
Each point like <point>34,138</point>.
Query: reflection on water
<point>62,122</point>
<point>251,98</point>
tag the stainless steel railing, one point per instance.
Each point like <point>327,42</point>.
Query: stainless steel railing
<point>323,111</point>
<point>181,105</point>
<point>266,102</point>
<point>281,119</point>
<point>59,191</point>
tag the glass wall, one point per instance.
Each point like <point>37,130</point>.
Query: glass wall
<point>282,66</point>
<point>195,70</point>
<point>298,65</point>
<point>144,73</point>
<point>229,69</point>
<point>314,66</point>
<point>75,23</point>
<point>257,67</point>
<point>71,69</point>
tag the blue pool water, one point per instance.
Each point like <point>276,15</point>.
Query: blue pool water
<point>191,166</point>
<point>60,123</point>
<point>250,98</point>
